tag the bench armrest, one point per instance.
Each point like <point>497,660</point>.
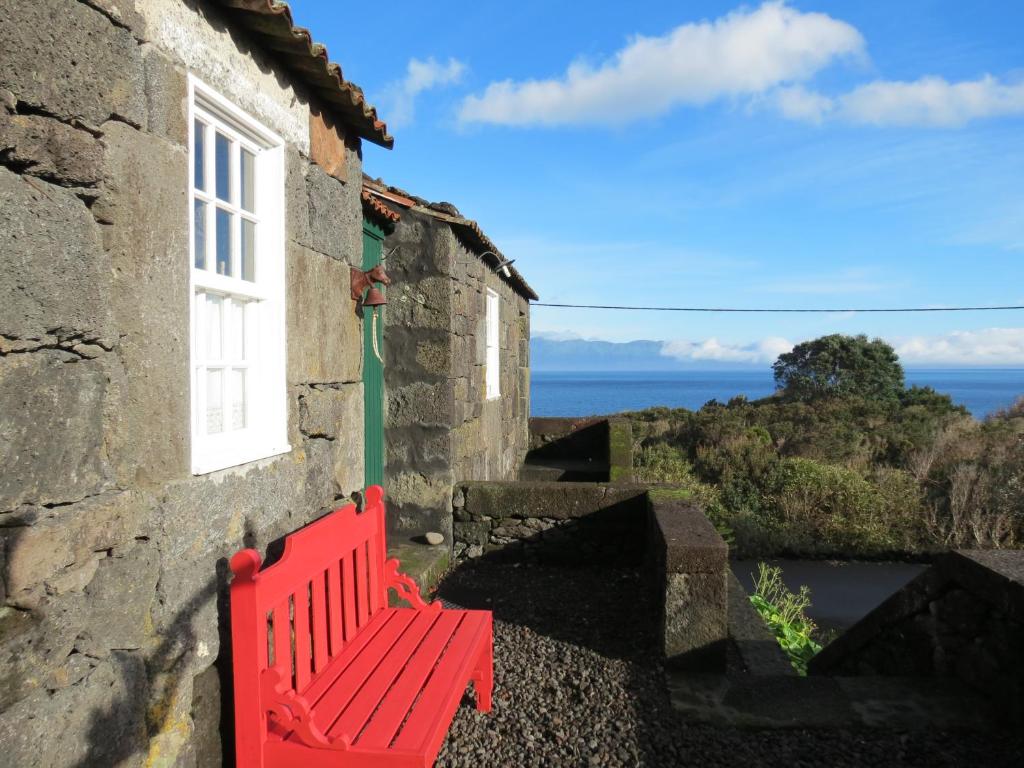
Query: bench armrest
<point>405,586</point>
<point>291,712</point>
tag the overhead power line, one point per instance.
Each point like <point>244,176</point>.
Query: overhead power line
<point>781,309</point>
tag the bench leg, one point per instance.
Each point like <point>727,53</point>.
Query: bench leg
<point>483,675</point>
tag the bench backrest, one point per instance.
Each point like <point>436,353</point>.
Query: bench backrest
<point>299,613</point>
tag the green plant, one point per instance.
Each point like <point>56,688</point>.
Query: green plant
<point>784,613</point>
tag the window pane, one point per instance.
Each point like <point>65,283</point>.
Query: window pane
<point>223,167</point>
<point>248,250</point>
<point>214,324</point>
<point>238,398</point>
<point>199,157</point>
<point>223,242</point>
<point>236,350</point>
<point>200,234</point>
<point>214,401</point>
<point>248,180</point>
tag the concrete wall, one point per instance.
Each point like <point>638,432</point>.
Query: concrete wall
<point>441,429</point>
<point>113,630</point>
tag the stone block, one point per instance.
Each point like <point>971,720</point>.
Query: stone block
<point>44,542</point>
<point>51,421</point>
<point>325,336</point>
<point>55,277</point>
<point>102,719</point>
<point>435,356</point>
<point>296,205</point>
<point>332,412</point>
<point>143,198</point>
<point>50,149</point>
<point>120,599</point>
<point>695,613</point>
<point>166,96</point>
<point>555,500</point>
<point>122,12</point>
<point>421,404</point>
<point>473,532</point>
<point>414,488</point>
<point>69,60</point>
<point>206,714</point>
<point>335,216</point>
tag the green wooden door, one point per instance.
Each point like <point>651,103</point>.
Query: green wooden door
<point>373,368</point>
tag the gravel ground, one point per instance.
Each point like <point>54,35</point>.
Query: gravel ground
<point>578,683</point>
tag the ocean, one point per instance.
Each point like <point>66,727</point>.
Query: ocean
<point>552,393</point>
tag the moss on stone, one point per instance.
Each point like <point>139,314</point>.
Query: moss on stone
<point>620,451</point>
<point>425,564</point>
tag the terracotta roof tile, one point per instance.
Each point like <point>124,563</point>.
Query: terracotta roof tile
<point>270,22</point>
<point>449,214</point>
<point>375,205</point>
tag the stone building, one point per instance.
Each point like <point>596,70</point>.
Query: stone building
<point>456,352</point>
<point>181,362</point>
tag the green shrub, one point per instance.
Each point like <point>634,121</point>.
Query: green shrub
<point>661,463</point>
<point>784,613</point>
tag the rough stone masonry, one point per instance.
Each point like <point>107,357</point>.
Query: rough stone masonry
<point>113,633</point>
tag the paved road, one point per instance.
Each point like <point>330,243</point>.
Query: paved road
<point>841,592</point>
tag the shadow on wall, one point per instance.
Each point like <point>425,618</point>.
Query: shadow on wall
<point>212,702</point>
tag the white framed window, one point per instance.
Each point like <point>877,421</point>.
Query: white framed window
<point>492,368</point>
<point>236,285</point>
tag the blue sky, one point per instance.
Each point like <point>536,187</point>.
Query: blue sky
<point>806,154</point>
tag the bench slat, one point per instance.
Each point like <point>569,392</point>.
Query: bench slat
<point>387,666</point>
<point>320,656</point>
<point>385,722</point>
<point>282,640</point>
<point>322,682</point>
<point>334,609</point>
<point>441,696</point>
<point>357,667</point>
<point>362,591</point>
<point>302,644</point>
<point>348,583</point>
<point>376,568</point>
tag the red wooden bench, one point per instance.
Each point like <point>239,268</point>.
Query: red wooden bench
<point>326,674</point>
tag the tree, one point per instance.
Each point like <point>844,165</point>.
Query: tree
<point>839,365</point>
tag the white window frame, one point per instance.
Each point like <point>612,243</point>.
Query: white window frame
<point>492,364</point>
<point>266,423</point>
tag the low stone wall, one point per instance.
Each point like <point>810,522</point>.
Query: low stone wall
<point>611,525</point>
<point>551,522</point>
<point>691,571</point>
<point>590,448</point>
<point>963,618</point>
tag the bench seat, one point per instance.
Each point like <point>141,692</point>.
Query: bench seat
<point>402,686</point>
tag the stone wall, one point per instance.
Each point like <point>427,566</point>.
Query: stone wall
<point>963,618</point>
<point>591,448</point>
<point>691,572</point>
<point>113,631</point>
<point>440,428</point>
<point>552,522</point>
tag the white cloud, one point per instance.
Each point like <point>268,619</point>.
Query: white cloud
<point>420,76</point>
<point>764,351</point>
<point>983,347</point>
<point>930,102</point>
<point>798,103</point>
<point>744,53</point>
<point>988,346</point>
